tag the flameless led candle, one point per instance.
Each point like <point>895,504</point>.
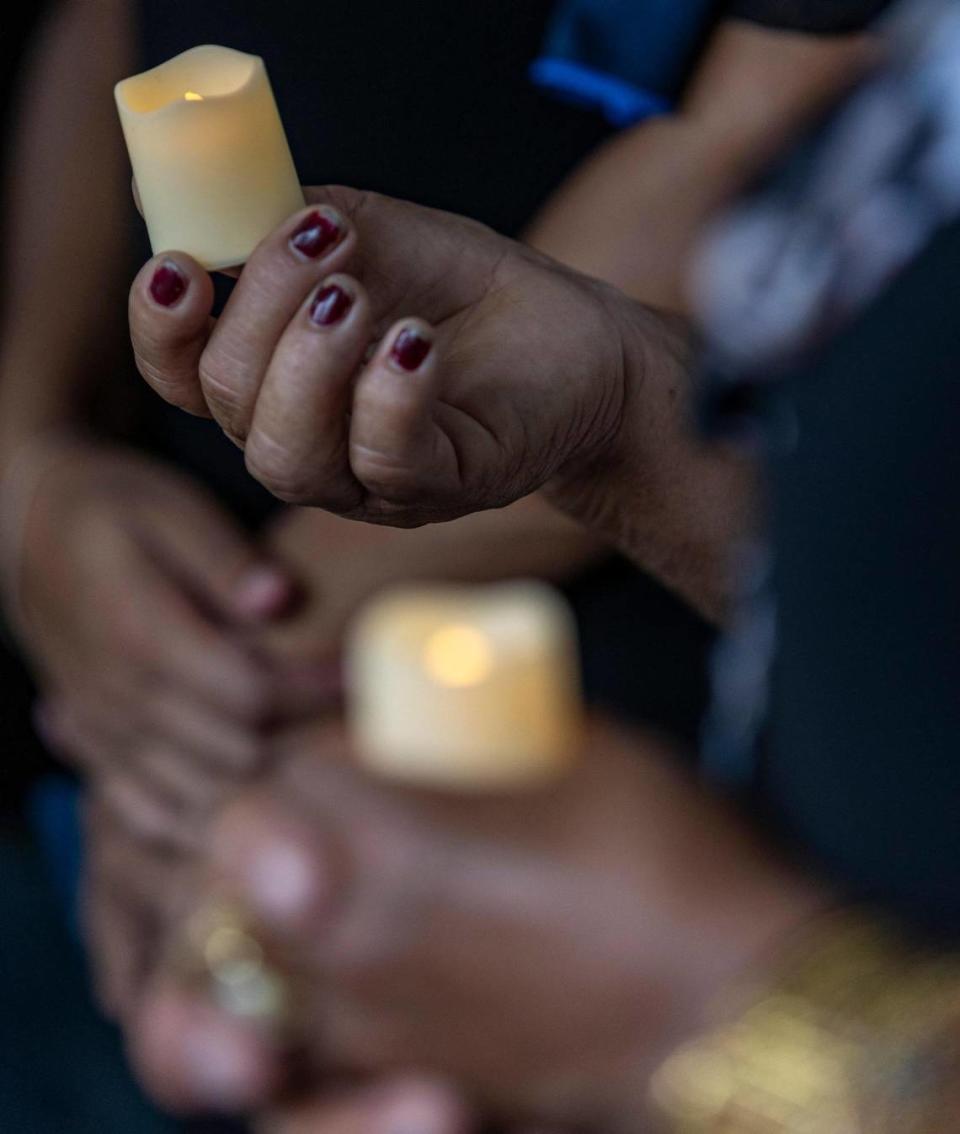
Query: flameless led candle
<point>466,687</point>
<point>209,154</point>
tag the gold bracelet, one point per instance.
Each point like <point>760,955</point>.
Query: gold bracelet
<point>858,1034</point>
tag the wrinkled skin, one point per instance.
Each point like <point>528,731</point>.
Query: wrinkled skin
<point>524,374</point>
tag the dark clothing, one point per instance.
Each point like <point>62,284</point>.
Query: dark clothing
<point>821,16</point>
<point>849,637</point>
<point>863,768</point>
<point>630,59</point>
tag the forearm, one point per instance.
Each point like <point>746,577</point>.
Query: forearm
<point>64,252</point>
<point>633,213</point>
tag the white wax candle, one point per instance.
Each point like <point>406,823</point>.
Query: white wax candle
<point>466,687</point>
<point>209,154</point>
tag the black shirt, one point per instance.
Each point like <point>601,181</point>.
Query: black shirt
<point>821,16</point>
<point>830,306</point>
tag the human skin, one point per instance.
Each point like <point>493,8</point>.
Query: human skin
<point>51,368</point>
<point>631,214</point>
<point>45,388</point>
<point>544,952</point>
<point>524,375</point>
<point>331,1116</point>
<point>634,212</point>
<point>691,143</point>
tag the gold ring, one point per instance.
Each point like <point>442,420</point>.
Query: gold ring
<point>220,947</point>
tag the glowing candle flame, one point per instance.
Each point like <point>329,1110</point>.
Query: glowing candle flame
<point>192,96</point>
<point>458,656</point>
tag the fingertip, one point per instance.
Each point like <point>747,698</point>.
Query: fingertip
<point>429,1106</point>
<point>169,310</point>
<point>47,724</point>
<point>169,277</point>
<point>335,301</point>
<point>272,863</point>
<point>316,232</point>
<point>263,593</point>
<point>193,1057</point>
<point>397,1107</point>
<point>395,451</point>
<point>409,346</point>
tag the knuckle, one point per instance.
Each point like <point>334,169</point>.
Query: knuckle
<point>174,387</point>
<point>226,402</point>
<point>388,477</point>
<point>279,471</point>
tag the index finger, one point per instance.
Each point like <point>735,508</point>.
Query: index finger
<point>170,322</point>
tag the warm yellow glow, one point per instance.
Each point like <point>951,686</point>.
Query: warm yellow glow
<point>192,96</point>
<point>458,655</point>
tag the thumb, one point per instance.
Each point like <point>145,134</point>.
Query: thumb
<point>223,566</point>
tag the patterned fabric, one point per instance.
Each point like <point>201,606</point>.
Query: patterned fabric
<point>789,270</point>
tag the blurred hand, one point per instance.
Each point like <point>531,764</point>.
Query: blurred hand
<point>134,595</point>
<point>544,952</point>
<point>131,889</point>
<point>341,563</point>
<point>513,366</point>
<point>392,1105</point>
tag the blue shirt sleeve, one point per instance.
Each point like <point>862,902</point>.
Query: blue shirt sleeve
<point>628,59</point>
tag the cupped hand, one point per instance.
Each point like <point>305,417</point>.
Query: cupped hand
<point>389,362</point>
<point>543,951</point>
<point>135,597</point>
<point>342,563</point>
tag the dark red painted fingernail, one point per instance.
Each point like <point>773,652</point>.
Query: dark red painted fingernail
<point>330,305</point>
<point>316,234</point>
<point>410,348</point>
<point>168,284</point>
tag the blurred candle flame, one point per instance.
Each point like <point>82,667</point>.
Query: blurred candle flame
<point>458,656</point>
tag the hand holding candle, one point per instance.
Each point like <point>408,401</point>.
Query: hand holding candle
<point>209,154</point>
<point>470,688</point>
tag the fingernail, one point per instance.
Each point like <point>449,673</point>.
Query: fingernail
<point>283,882</point>
<point>330,305</point>
<point>223,1068</point>
<point>409,349</point>
<point>167,284</point>
<point>420,1109</point>
<point>316,233</point>
<point>262,592</point>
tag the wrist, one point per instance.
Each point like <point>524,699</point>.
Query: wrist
<point>732,943</point>
<point>586,484</point>
<point>671,500</point>
<point>855,1027</point>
